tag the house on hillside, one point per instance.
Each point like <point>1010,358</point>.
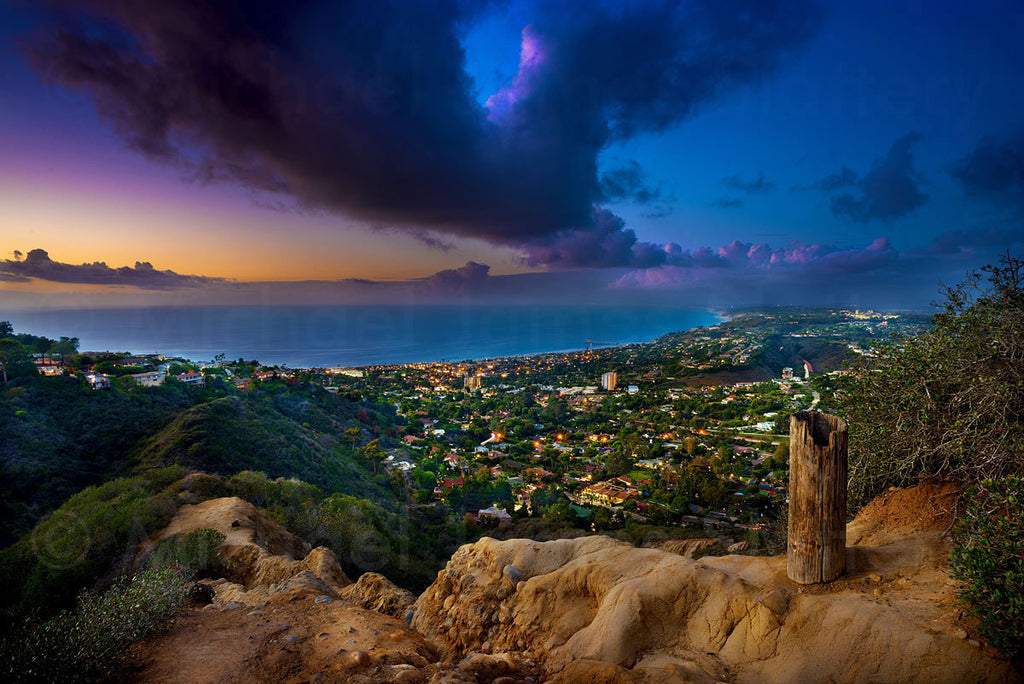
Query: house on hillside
<point>150,379</point>
<point>605,493</point>
<point>98,381</point>
<point>499,514</point>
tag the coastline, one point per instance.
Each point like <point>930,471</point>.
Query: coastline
<point>361,336</point>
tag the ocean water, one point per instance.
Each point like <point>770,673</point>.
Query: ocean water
<point>330,336</point>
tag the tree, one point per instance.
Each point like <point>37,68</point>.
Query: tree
<point>6,329</point>
<point>781,455</point>
<point>950,401</point>
<point>64,348</point>
<point>12,355</point>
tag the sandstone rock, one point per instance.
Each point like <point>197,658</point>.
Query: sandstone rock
<point>303,585</point>
<point>684,547</point>
<point>738,546</point>
<point>376,592</point>
<point>486,667</point>
<point>263,561</point>
<point>595,609</point>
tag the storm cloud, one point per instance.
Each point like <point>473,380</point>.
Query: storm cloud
<point>365,107</point>
<point>979,238</point>
<point>606,244</point>
<point>627,182</point>
<point>889,191</point>
<point>38,264</point>
<point>995,171</point>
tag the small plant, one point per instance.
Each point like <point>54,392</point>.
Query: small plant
<point>195,553</point>
<point>988,557</point>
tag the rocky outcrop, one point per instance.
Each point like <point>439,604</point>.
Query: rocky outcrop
<point>687,548</point>
<point>374,591</point>
<point>591,610</point>
<point>263,562</point>
<point>594,609</point>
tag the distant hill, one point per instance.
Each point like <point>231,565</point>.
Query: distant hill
<point>232,434</point>
<point>58,436</point>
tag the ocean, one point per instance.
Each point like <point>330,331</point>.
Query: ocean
<point>338,336</point>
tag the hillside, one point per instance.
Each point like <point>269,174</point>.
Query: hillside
<point>586,610</point>
<point>58,436</point>
<point>233,434</point>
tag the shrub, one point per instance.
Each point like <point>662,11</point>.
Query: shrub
<point>988,557</point>
<point>88,538</point>
<point>86,643</point>
<point>948,402</point>
<point>194,553</point>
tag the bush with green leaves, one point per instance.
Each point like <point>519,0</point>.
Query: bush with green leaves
<point>88,642</point>
<point>948,402</point>
<point>195,553</point>
<point>988,557</point>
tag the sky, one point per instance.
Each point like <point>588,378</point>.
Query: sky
<point>705,153</point>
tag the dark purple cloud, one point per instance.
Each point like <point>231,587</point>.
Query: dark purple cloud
<point>365,108</point>
<point>606,244</point>
<point>38,264</point>
<point>891,190</point>
<point>427,237</point>
<point>756,185</point>
<point>995,171</point>
<point>806,262</point>
<point>463,279</point>
<point>845,177</point>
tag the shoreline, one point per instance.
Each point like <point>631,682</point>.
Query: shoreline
<point>363,337</point>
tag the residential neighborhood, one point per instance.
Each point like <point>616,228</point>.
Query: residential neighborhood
<point>689,429</point>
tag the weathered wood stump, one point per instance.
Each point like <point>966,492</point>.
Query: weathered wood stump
<point>817,498</point>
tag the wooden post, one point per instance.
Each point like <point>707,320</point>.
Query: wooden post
<point>817,498</point>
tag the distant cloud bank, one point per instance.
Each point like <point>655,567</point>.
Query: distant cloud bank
<point>38,264</point>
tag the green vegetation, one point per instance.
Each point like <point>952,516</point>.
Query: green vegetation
<point>988,559</point>
<point>950,401</point>
<point>90,537</point>
<point>235,433</point>
<point>58,436</point>
<point>195,553</point>
<point>86,643</point>
<point>408,546</point>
